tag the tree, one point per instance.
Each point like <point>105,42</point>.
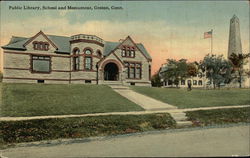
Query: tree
<point>192,69</point>
<point>238,60</point>
<point>175,70</point>
<point>217,69</point>
<point>156,80</point>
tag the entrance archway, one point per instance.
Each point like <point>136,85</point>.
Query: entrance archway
<point>111,72</point>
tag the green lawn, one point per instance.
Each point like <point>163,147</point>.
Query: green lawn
<point>219,116</point>
<point>52,99</point>
<point>46,129</point>
<point>197,97</point>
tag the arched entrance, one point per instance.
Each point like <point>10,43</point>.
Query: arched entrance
<point>111,72</point>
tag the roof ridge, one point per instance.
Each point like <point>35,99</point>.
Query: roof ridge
<point>57,35</point>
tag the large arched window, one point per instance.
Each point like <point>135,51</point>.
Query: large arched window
<point>76,59</point>
<point>87,59</point>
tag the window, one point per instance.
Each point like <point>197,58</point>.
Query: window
<point>44,46</point>
<point>183,82</point>
<point>138,71</point>
<point>194,82</point>
<point>133,70</point>
<point>88,63</point>
<point>88,52</point>
<point>41,64</point>
<point>132,84</point>
<point>149,72</point>
<point>87,81</point>
<point>87,59</point>
<point>132,53</point>
<point>123,52</point>
<point>200,82</point>
<point>40,81</point>
<point>76,63</point>
<point>170,82</point>
<point>76,59</point>
<point>128,51</point>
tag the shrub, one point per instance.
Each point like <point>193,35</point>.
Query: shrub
<point>45,129</point>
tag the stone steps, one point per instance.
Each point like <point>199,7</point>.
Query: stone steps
<point>119,87</point>
<point>184,123</point>
<point>181,119</point>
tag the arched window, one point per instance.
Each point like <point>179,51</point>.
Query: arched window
<point>88,59</point>
<point>76,59</point>
<point>88,52</point>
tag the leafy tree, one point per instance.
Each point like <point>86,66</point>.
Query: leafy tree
<point>217,69</point>
<point>238,60</point>
<point>175,70</point>
<point>156,80</point>
<point>192,69</point>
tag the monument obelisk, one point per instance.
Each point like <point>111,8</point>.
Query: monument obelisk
<point>234,45</point>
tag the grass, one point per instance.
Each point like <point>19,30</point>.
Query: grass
<point>47,129</point>
<point>220,116</point>
<point>52,99</point>
<point>197,97</point>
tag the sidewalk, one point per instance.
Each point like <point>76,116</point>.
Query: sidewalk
<point>226,141</point>
<point>119,113</point>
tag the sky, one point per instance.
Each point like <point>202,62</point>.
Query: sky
<point>168,29</point>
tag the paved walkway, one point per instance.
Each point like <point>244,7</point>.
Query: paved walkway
<point>119,113</point>
<point>145,102</point>
<point>228,141</point>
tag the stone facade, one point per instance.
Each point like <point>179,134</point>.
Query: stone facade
<point>78,59</point>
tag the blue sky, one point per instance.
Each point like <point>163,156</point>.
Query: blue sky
<point>168,29</point>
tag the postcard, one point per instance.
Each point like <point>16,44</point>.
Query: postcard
<point>124,78</point>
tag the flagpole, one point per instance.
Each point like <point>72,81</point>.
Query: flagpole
<point>211,41</point>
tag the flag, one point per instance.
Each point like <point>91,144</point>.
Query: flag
<point>208,34</point>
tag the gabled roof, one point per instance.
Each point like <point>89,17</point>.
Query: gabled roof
<point>63,45</point>
<point>16,43</point>
<point>110,46</point>
<point>45,36</point>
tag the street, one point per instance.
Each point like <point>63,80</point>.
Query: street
<point>219,141</point>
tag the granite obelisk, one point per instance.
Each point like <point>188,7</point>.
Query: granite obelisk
<point>234,45</point>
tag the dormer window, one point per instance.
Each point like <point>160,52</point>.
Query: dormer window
<point>123,52</point>
<point>128,52</point>
<point>44,46</point>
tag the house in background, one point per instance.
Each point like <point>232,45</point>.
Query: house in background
<point>77,59</point>
<point>198,81</point>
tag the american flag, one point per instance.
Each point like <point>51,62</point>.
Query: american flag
<point>208,34</point>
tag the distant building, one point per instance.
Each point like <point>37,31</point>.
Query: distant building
<point>198,81</point>
<point>77,59</point>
